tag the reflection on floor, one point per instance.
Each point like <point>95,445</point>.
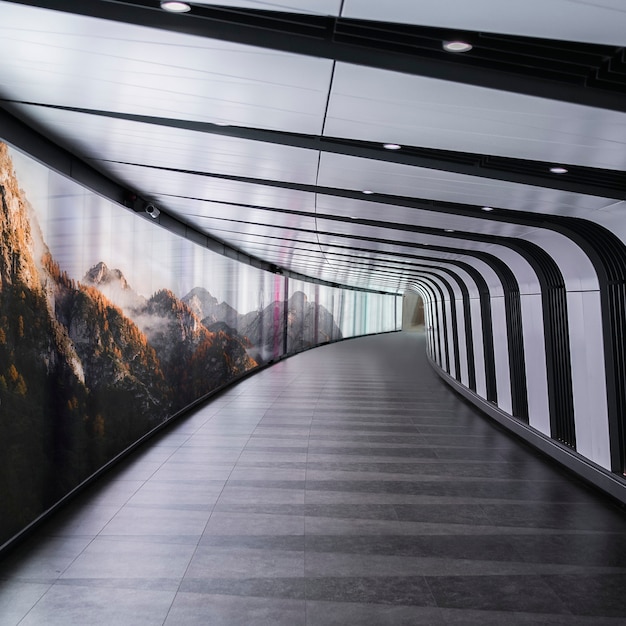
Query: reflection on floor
<point>346,485</point>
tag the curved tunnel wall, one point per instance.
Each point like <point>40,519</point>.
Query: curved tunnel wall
<point>553,345</point>
<point>110,326</point>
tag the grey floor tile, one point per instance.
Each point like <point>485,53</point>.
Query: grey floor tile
<point>172,494</point>
<point>454,513</point>
<point>254,524</point>
<point>319,613</point>
<point>496,593</point>
<point>68,605</point>
<point>138,521</point>
<point>243,562</point>
<point>584,548</point>
<point>267,474</point>
<point>398,590</point>
<point>599,595</point>
<point>253,495</point>
<point>17,599</point>
<point>352,511</point>
<point>128,559</point>
<point>218,610</point>
<point>43,562</point>
<point>292,587</point>
<point>465,617</point>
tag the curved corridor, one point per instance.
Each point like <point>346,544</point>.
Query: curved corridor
<point>345,485</point>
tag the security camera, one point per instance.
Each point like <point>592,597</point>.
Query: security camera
<point>152,211</point>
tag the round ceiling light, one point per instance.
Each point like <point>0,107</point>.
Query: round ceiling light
<point>558,170</point>
<point>368,192</point>
<point>457,46</point>
<point>175,7</point>
<point>449,230</point>
<point>392,146</point>
<point>486,208</point>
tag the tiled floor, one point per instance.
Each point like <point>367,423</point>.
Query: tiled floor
<point>346,485</point>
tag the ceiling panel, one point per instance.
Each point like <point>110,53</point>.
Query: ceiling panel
<point>196,211</point>
<point>104,138</point>
<point>70,60</point>
<point>404,180</point>
<point>403,216</point>
<point>159,182</point>
<point>594,21</point>
<point>383,106</point>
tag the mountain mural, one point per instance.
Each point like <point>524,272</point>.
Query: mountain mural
<point>79,381</point>
<point>306,323</point>
<point>207,308</point>
<point>89,365</point>
<point>194,358</point>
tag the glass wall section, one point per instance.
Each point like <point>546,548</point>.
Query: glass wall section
<point>110,325</point>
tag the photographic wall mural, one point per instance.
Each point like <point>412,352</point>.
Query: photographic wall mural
<point>109,325</point>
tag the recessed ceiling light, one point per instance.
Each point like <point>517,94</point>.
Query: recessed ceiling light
<point>368,192</point>
<point>558,170</point>
<point>175,7</point>
<point>449,230</point>
<point>392,146</point>
<point>221,123</point>
<point>486,208</point>
<point>457,46</point>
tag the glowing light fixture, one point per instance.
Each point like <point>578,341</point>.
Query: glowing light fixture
<point>457,46</point>
<point>449,230</point>
<point>392,146</point>
<point>175,7</point>
<point>486,208</point>
<point>558,170</point>
<point>368,192</point>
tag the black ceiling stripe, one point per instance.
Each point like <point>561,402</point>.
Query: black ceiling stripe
<point>588,74</point>
<point>436,338</point>
<point>467,323</point>
<point>453,322</point>
<point>593,181</point>
<point>444,324</point>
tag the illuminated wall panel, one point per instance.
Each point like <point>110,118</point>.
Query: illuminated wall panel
<point>110,325</point>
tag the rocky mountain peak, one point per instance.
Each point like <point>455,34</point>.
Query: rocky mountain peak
<point>200,301</point>
<point>113,284</point>
<point>100,274</point>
